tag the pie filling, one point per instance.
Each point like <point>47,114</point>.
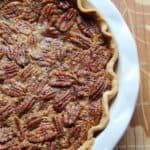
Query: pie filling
<point>53,74</point>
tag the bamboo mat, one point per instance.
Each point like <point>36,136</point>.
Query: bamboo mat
<point>137,16</point>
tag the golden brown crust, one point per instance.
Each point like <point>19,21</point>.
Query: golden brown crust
<point>87,8</point>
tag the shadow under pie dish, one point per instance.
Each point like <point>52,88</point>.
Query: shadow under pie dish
<point>57,74</point>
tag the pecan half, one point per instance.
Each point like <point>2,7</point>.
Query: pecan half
<point>21,54</point>
<point>34,122</point>
<point>41,134</point>
<point>59,125</point>
<point>6,134</point>
<point>8,71</point>
<point>36,85</point>
<point>87,26</point>
<point>6,111</point>
<point>20,129</point>
<point>95,111</point>
<point>9,51</point>
<point>63,4</point>
<point>48,94</point>
<point>80,40</point>
<point>71,113</point>
<point>61,79</point>
<point>48,11</point>
<point>53,146</point>
<point>60,83</point>
<point>66,21</point>
<point>51,32</point>
<point>81,91</point>
<point>98,88</point>
<point>25,106</point>
<point>26,72</point>
<point>7,32</point>
<point>13,88</point>
<point>22,26</point>
<point>62,101</point>
<point>12,9</point>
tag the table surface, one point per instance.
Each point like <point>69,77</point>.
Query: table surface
<point>137,16</point>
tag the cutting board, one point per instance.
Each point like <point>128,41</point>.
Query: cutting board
<point>137,15</point>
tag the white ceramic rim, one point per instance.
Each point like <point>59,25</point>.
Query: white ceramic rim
<point>123,107</point>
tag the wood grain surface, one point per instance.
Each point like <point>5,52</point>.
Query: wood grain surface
<point>137,16</point>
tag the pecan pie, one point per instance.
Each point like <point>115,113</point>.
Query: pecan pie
<point>56,74</point>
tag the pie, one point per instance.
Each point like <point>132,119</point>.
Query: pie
<point>57,76</point>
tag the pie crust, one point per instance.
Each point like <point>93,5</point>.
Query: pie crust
<point>43,89</point>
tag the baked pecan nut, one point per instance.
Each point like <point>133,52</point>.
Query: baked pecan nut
<point>41,134</point>
<point>98,88</point>
<point>80,40</point>
<point>22,57</point>
<point>21,134</point>
<point>8,71</point>
<point>61,101</point>
<point>6,111</point>
<point>87,26</point>
<point>6,134</point>
<point>66,21</point>
<point>95,111</point>
<point>34,122</point>
<point>12,88</point>
<point>48,11</point>
<point>12,9</point>
<point>25,106</point>
<point>71,113</point>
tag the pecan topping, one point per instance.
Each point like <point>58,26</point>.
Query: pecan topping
<point>53,73</point>
<point>12,88</point>
<point>34,122</point>
<point>19,128</point>
<point>25,106</point>
<point>98,88</point>
<point>8,71</point>
<point>41,134</point>
<point>66,21</point>
<point>72,112</point>
<point>80,40</point>
<point>6,134</point>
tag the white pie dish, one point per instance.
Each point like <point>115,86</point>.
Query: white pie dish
<point>128,72</point>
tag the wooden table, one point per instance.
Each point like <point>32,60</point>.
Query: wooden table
<point>137,16</point>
